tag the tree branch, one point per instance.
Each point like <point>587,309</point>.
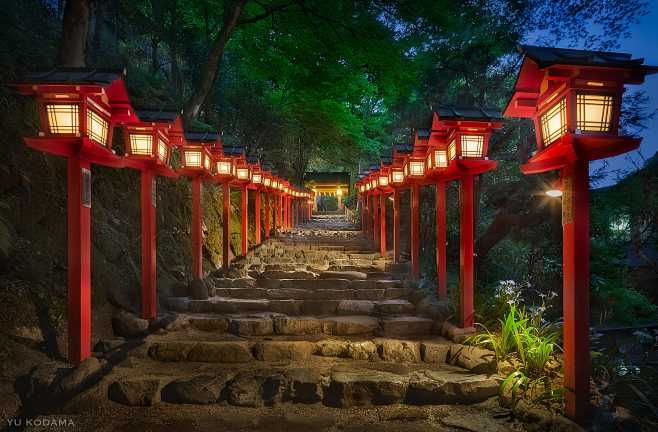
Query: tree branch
<point>269,10</point>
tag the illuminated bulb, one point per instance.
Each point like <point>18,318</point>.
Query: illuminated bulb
<point>554,193</point>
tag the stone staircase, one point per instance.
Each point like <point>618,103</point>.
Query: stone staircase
<point>313,316</point>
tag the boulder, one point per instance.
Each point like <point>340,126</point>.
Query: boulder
<point>85,374</point>
<point>406,326</point>
<point>221,352</point>
<point>297,325</point>
<point>364,388</point>
<point>198,289</point>
<point>210,323</point>
<point>128,325</point>
<point>350,325</point>
<point>275,351</point>
<point>363,350</point>
<point>170,351</point>
<point>251,326</point>
<point>349,275</point>
<point>355,307</point>
<point>394,307</point>
<point>320,307</point>
<point>179,289</point>
<point>255,388</point>
<point>434,352</point>
<point>39,387</point>
<point>331,348</point>
<point>135,392</point>
<point>243,283</point>
<point>475,359</point>
<point>399,351</point>
<point>369,294</point>
<point>107,345</point>
<point>287,307</point>
<point>449,387</point>
<point>304,386</point>
<point>202,389</point>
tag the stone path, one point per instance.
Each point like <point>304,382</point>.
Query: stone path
<point>311,331</point>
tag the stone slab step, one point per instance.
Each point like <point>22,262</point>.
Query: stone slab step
<point>375,294</point>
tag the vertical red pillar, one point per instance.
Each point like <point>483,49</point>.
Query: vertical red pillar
<point>197,264</point>
<point>267,215</point>
<point>466,236</point>
<point>79,263</point>
<point>415,231</point>
<point>284,209</point>
<point>244,214</point>
<point>257,215</point>
<point>396,226</point>
<point>148,204</point>
<point>575,256</point>
<point>441,272</point>
<point>382,224</point>
<point>279,212</point>
<point>226,228</point>
<point>376,226</point>
<point>366,214</point>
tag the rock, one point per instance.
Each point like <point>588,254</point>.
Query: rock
<point>210,323</point>
<point>331,348</point>
<point>198,289</point>
<point>274,351</point>
<point>434,352</point>
<point>255,388</point>
<point>251,326</point>
<point>320,307</point>
<point>394,307</point>
<point>351,325</point>
<point>303,386</point>
<point>474,422</point>
<point>86,373</point>
<point>244,283</point>
<point>355,307</point>
<point>449,387</point>
<point>170,351</point>
<point>107,345</point>
<point>128,325</point>
<point>287,307</point>
<point>269,283</point>
<point>406,326</point>
<point>364,350</point>
<point>396,293</point>
<point>177,304</point>
<point>179,289</point>
<point>363,284</point>
<point>39,387</point>
<point>135,392</point>
<point>334,294</point>
<point>289,293</point>
<point>202,389</point>
<point>161,322</point>
<point>365,388</point>
<point>221,352</point>
<point>297,325</point>
<point>243,293</point>
<point>350,275</point>
<point>369,294</point>
<point>399,351</point>
<point>537,419</point>
<point>475,359</point>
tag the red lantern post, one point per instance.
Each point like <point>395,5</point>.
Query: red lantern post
<point>78,109</point>
<point>574,98</point>
<point>223,171</point>
<point>414,172</point>
<point>396,179</point>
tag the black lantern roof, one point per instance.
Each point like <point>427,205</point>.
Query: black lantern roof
<point>267,166</point>
<point>404,148</point>
<point>75,75</point>
<point>423,133</point>
<point>548,56</point>
<point>470,113</point>
<point>252,159</point>
<point>151,115</point>
<point>201,136</point>
<point>234,151</point>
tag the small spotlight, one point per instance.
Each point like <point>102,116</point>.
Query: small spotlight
<point>554,193</point>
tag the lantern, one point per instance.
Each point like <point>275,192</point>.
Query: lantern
<point>414,167</point>
<point>148,143</point>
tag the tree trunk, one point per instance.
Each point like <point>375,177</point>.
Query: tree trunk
<point>75,28</point>
<point>211,69</point>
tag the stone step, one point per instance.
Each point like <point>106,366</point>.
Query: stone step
<point>321,283</point>
<point>338,293</point>
<point>339,387</point>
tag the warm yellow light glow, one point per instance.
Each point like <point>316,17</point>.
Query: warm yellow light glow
<point>440,159</point>
<point>594,113</point>
<point>97,127</point>
<point>267,182</point>
<point>383,181</point>
<point>397,176</point>
<point>595,84</point>
<point>162,150</point>
<point>275,184</point>
<point>339,192</point>
<point>554,122</point>
<point>224,167</point>
<point>417,168</point>
<point>452,150</point>
<point>472,145</point>
<point>206,162</point>
<point>243,173</point>
<point>193,158</point>
<point>257,179</point>
<point>63,118</point>
<point>141,144</point>
<point>554,193</point>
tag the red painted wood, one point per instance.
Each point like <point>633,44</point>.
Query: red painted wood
<point>257,215</point>
<point>575,255</point>
<point>148,246</point>
<point>415,231</point>
<point>377,222</point>
<point>79,264</point>
<point>466,233</point>
<point>396,226</point>
<point>197,240</point>
<point>268,225</point>
<point>382,223</point>
<point>226,228</point>
<point>441,272</point>
<point>244,215</point>
<point>366,215</point>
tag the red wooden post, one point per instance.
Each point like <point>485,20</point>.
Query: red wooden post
<point>575,296</point>
<point>466,233</point>
<point>257,215</point>
<point>284,210</point>
<point>244,213</point>
<point>382,223</point>
<point>226,228</point>
<point>415,231</point>
<point>441,273</point>
<point>366,214</point>
<point>267,215</point>
<point>377,223</point>
<point>148,205</point>
<point>197,264</point>
<point>79,253</point>
<point>396,225</point>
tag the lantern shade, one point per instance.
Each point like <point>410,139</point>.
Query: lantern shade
<point>397,175</point>
<point>146,142</point>
<point>257,178</point>
<point>243,173</point>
